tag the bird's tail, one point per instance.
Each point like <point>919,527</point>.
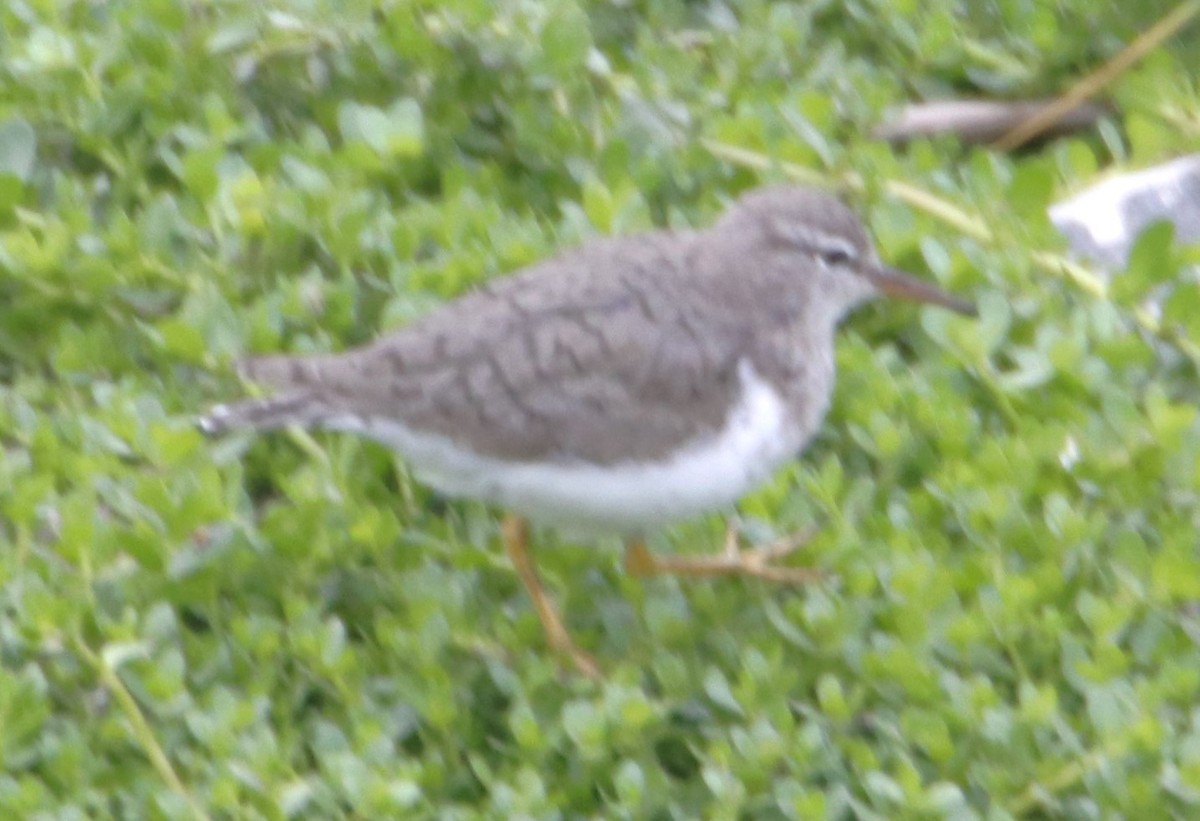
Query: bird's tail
<point>298,408</point>
<point>299,401</point>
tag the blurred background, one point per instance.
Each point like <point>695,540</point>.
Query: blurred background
<point>289,627</point>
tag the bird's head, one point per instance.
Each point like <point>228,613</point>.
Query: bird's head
<point>810,233</point>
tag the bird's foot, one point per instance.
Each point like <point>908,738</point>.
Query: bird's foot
<point>516,542</point>
<point>758,562</point>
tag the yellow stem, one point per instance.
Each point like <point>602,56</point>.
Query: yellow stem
<point>1146,41</point>
<point>141,727</point>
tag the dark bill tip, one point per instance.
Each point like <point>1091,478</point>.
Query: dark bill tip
<point>902,285</point>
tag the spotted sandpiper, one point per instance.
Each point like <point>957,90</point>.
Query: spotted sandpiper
<point>618,387</point>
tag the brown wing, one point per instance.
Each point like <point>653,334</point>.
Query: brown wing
<point>592,356</point>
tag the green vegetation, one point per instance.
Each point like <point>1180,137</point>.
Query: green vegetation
<point>287,626</point>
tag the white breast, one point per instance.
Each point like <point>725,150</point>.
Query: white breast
<point>758,436</point>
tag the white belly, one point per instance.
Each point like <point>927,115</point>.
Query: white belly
<point>629,497</point>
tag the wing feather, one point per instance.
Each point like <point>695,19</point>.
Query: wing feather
<point>591,356</point>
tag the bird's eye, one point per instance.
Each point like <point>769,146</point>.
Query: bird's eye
<point>836,254</point>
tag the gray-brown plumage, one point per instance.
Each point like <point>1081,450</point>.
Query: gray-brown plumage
<point>621,385</point>
<point>621,350</point>
<point>586,356</point>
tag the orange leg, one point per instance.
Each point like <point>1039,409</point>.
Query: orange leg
<point>733,561</point>
<point>515,531</point>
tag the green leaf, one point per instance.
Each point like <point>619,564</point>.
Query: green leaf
<point>18,149</point>
<point>1182,308</point>
<point>716,687</point>
<point>398,131</point>
<point>118,653</point>
<point>566,39</point>
<point>12,191</point>
<point>1150,263</point>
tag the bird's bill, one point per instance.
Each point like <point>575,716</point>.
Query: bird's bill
<point>897,283</point>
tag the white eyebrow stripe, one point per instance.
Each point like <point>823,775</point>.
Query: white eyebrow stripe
<point>817,241</point>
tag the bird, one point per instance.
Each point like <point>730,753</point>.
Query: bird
<point>623,385</point>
